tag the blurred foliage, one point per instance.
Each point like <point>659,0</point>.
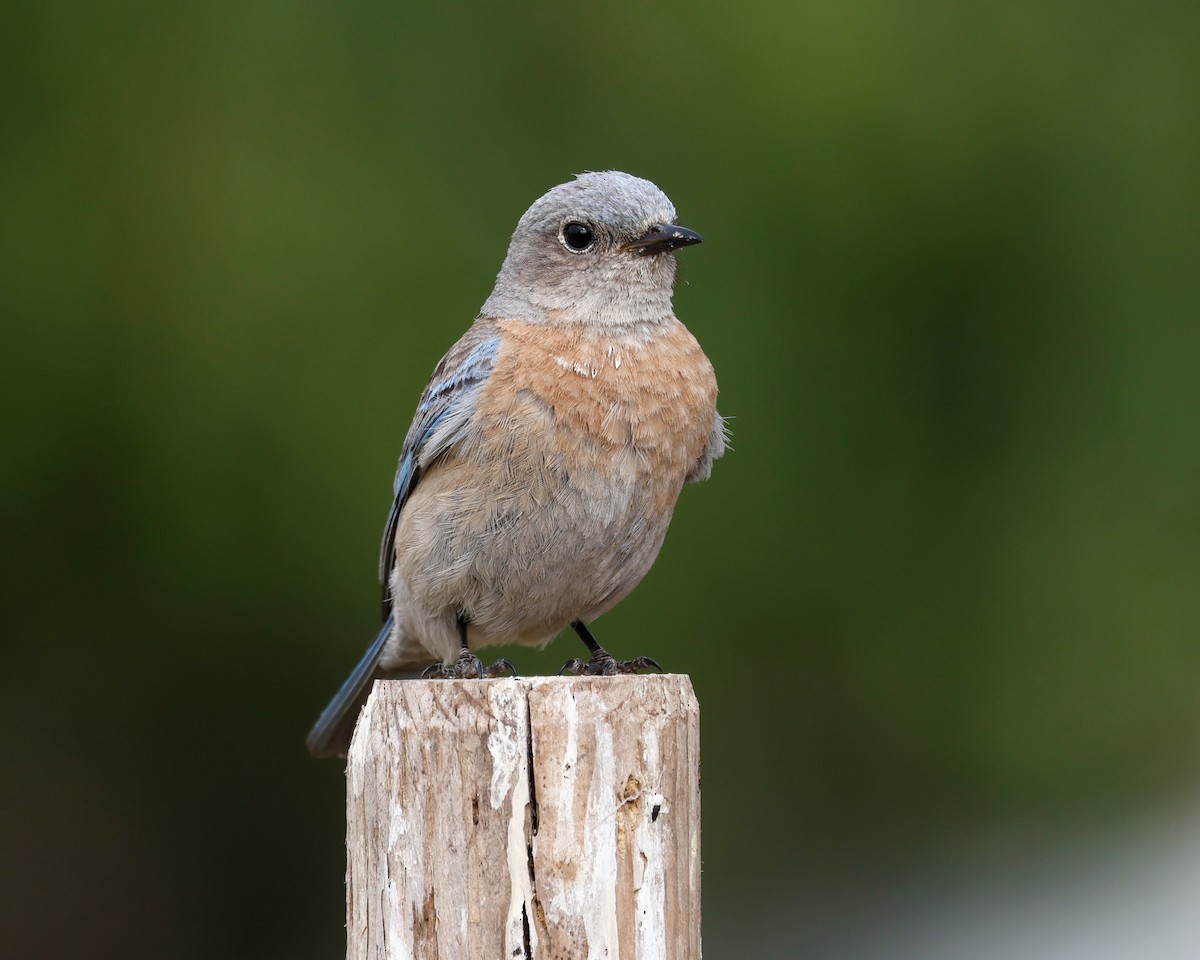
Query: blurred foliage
<point>949,576</point>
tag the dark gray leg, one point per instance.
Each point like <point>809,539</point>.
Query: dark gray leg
<point>601,662</point>
<point>467,666</point>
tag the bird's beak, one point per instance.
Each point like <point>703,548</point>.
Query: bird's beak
<point>663,238</point>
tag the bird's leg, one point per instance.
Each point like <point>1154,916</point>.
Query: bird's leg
<point>467,666</point>
<point>602,663</point>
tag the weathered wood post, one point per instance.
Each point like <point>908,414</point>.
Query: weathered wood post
<point>551,818</point>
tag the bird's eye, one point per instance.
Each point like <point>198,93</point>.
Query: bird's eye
<point>577,236</point>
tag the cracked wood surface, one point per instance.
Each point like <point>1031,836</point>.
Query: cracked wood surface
<point>551,818</point>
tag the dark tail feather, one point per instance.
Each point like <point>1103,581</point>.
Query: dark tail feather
<point>330,735</point>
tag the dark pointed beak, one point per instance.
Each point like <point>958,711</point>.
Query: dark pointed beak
<point>663,238</point>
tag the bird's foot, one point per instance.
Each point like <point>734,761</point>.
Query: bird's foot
<point>468,667</point>
<point>603,664</point>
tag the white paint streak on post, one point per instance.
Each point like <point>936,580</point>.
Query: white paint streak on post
<point>650,920</point>
<point>459,846</point>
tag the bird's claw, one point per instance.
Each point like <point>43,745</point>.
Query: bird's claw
<point>603,664</point>
<point>469,667</point>
<point>499,668</point>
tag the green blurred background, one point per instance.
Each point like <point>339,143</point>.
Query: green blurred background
<point>945,588</point>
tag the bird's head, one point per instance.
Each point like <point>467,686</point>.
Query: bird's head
<point>597,250</point>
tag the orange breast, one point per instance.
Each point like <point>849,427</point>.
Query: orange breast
<point>638,401</point>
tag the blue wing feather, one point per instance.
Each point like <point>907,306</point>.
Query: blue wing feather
<point>447,400</point>
<point>445,410</point>
<point>474,369</point>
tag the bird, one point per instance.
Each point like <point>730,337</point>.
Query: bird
<point>543,464</point>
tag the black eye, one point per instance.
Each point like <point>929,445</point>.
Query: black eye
<point>578,236</point>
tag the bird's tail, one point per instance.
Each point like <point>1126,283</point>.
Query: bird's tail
<point>331,734</point>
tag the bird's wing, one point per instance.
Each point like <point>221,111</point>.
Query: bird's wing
<point>718,440</point>
<point>445,410</point>
<point>446,407</point>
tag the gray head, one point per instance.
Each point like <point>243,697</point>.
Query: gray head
<point>596,250</point>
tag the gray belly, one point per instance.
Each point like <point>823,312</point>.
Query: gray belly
<point>522,558</point>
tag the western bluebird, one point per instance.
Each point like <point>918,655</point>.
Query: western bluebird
<point>540,472</point>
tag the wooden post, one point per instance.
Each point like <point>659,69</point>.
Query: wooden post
<point>551,818</point>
